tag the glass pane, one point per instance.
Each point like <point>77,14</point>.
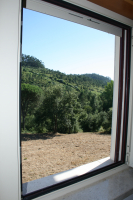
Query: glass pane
<point>66,98</point>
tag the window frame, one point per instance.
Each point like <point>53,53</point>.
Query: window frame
<point>10,87</point>
<point>125,92</point>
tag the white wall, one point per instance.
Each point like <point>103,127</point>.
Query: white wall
<point>9,83</point>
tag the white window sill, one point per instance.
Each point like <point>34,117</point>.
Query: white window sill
<point>114,183</point>
<point>63,176</point>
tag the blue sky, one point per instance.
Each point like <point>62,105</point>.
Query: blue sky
<point>66,46</point>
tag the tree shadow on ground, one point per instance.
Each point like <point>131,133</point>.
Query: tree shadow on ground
<point>104,133</point>
<point>37,136</point>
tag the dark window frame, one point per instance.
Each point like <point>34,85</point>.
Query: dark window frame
<point>116,163</point>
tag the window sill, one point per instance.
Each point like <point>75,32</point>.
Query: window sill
<point>63,176</point>
<point>87,184</point>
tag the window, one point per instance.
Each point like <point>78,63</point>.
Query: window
<point>121,88</point>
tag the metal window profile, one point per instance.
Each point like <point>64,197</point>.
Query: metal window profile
<point>56,11</point>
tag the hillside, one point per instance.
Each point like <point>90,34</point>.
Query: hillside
<point>34,72</point>
<point>99,77</point>
<point>52,101</point>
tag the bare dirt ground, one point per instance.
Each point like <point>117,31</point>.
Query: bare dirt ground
<point>47,154</point>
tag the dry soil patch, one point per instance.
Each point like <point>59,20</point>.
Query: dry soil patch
<point>46,154</point>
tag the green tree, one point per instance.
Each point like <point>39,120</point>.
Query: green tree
<point>69,110</point>
<point>58,111</point>
<point>31,62</point>
<point>50,108</point>
<point>107,121</point>
<point>107,96</point>
<point>29,97</point>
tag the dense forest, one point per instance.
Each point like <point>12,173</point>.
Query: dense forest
<point>52,101</point>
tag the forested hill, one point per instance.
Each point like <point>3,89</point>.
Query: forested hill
<point>99,77</point>
<point>34,72</point>
<point>54,101</point>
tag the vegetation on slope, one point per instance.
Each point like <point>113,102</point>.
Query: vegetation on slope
<point>52,101</point>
